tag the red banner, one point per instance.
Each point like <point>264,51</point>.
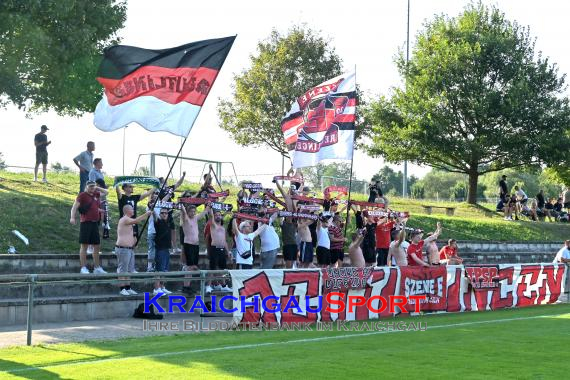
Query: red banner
<point>447,288</point>
<point>428,281</point>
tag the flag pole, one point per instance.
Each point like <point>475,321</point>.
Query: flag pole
<point>351,163</point>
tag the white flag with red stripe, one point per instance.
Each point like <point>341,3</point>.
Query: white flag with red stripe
<point>320,124</point>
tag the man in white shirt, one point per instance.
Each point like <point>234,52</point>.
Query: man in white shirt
<point>522,198</point>
<point>269,243</point>
<point>244,237</point>
<point>563,255</point>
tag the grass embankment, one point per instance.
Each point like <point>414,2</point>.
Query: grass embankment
<point>41,212</point>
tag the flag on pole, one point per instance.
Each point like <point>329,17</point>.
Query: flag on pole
<point>162,90</point>
<point>320,124</point>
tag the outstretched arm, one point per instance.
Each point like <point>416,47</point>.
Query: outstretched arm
<point>435,234</point>
<point>180,181</point>
<point>119,194</point>
<point>259,230</point>
<point>139,219</point>
<point>204,213</point>
<point>146,194</point>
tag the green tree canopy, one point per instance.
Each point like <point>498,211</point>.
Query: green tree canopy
<point>50,51</point>
<point>284,68</point>
<point>392,181</point>
<point>477,98</point>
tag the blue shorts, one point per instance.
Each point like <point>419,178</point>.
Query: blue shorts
<point>306,250</point>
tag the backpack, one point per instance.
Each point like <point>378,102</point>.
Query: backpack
<point>139,313</point>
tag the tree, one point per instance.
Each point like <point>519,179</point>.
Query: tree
<point>392,182</point>
<point>2,162</point>
<point>50,51</point>
<point>339,171</point>
<point>59,168</point>
<point>284,68</point>
<point>143,171</point>
<point>476,99</point>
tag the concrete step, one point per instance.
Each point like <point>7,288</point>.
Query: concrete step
<point>81,308</point>
<point>48,290</point>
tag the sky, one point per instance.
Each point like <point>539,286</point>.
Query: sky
<point>365,34</point>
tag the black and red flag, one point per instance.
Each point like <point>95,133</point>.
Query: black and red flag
<point>162,90</point>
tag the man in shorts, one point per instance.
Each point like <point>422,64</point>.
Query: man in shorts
<point>337,241</point>
<point>191,247</point>
<point>219,253</point>
<point>124,247</point>
<point>355,250</point>
<point>306,244</point>
<point>288,236</point>
<point>41,142</point>
<point>88,204</point>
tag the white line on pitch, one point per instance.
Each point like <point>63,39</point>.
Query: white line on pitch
<point>257,345</point>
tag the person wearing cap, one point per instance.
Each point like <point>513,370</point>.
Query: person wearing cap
<point>41,142</point>
<point>84,161</point>
<point>415,257</point>
<point>88,204</point>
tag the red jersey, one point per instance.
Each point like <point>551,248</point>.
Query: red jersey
<point>447,251</point>
<point>383,234</point>
<point>93,202</point>
<point>417,249</point>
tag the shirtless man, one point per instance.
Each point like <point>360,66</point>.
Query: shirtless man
<point>124,248</point>
<point>432,251</point>
<point>306,244</point>
<point>397,250</point>
<point>355,252</point>
<point>219,253</point>
<point>189,222</point>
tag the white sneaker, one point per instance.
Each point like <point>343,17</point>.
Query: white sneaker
<point>99,270</point>
<point>135,271</point>
<point>177,250</point>
<point>218,288</point>
<point>84,270</point>
<point>90,250</point>
<point>227,289</point>
<point>44,180</point>
<point>165,291</point>
<point>124,292</point>
<point>156,291</point>
<point>132,292</point>
<point>209,289</point>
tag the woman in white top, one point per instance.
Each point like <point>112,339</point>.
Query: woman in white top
<point>244,242</point>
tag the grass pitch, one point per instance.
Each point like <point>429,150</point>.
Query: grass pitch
<point>531,343</point>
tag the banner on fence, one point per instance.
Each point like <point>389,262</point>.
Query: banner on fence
<point>446,288</point>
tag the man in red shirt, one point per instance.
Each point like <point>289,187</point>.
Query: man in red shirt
<point>448,254</point>
<point>415,257</point>
<point>88,204</point>
<point>337,242</point>
<point>383,230</point>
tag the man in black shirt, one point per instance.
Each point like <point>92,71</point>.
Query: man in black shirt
<point>41,142</point>
<point>162,243</point>
<point>128,198</point>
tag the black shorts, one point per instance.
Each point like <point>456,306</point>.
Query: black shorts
<point>217,258</point>
<point>192,253</point>
<point>89,233</point>
<point>336,255</point>
<point>41,158</point>
<point>323,256</point>
<point>523,201</point>
<point>290,252</point>
<point>382,259</point>
<point>369,254</point>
